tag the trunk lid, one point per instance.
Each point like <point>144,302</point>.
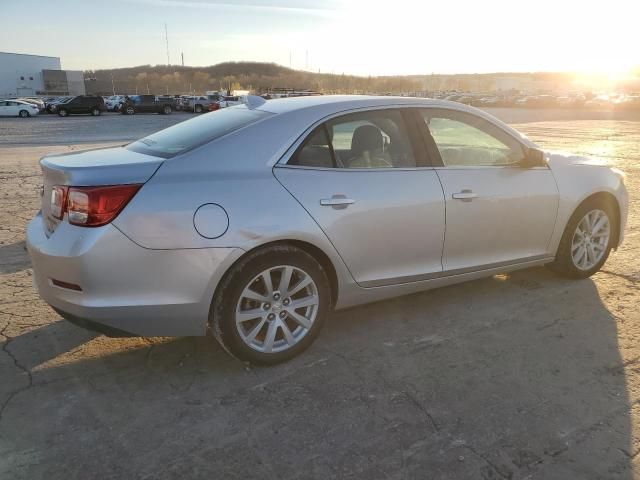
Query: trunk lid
<point>104,166</point>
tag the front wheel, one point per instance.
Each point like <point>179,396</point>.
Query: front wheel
<point>62,112</point>
<point>198,109</point>
<point>129,110</point>
<point>95,111</point>
<point>587,240</point>
<point>166,110</point>
<point>271,305</point>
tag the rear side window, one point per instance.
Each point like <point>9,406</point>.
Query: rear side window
<point>372,139</point>
<point>192,133</point>
<point>315,151</point>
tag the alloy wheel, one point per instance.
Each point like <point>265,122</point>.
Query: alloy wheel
<point>277,309</point>
<point>590,240</point>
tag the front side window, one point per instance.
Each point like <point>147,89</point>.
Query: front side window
<point>465,140</point>
<point>373,139</point>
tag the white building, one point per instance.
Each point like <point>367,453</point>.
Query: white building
<point>26,75</point>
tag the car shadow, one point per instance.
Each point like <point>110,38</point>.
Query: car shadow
<point>14,258</point>
<point>514,376</point>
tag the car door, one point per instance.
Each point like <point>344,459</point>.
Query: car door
<point>75,105</point>
<point>5,110</point>
<point>147,103</point>
<point>364,179</point>
<point>497,211</point>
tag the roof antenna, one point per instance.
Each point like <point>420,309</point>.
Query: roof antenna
<point>253,101</point>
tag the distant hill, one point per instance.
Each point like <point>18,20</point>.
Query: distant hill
<point>261,77</point>
<point>257,76</point>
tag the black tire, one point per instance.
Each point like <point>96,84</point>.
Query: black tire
<point>62,112</point>
<point>166,109</point>
<point>95,111</point>
<point>23,114</point>
<point>222,316</point>
<point>128,110</point>
<point>563,264</point>
<point>198,109</point>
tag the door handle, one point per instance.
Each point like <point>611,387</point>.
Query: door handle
<point>465,195</point>
<point>337,202</point>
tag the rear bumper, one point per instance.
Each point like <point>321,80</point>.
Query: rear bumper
<point>126,289</point>
<point>93,326</point>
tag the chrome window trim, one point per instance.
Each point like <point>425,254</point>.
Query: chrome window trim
<point>336,169</point>
<point>286,156</point>
<point>282,162</point>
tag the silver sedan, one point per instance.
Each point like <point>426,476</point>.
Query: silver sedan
<point>253,222</point>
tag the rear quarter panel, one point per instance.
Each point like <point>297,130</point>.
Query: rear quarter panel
<point>234,172</point>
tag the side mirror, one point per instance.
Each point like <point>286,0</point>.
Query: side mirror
<point>533,157</point>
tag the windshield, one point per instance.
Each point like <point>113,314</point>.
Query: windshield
<point>192,133</point>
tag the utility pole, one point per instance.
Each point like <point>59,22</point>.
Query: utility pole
<point>182,54</point>
<point>113,87</point>
<point>166,37</point>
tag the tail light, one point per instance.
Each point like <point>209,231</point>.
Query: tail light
<point>58,201</point>
<point>92,206</point>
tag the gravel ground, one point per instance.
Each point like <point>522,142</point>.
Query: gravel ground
<point>520,376</point>
<point>48,129</point>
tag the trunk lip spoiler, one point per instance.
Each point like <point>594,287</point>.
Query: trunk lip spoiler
<point>112,166</point>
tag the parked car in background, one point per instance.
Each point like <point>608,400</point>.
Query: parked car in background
<point>51,103</point>
<point>35,101</point>
<point>17,108</point>
<point>147,104</point>
<point>114,102</point>
<point>199,103</point>
<point>229,101</point>
<point>253,224</point>
<point>81,104</point>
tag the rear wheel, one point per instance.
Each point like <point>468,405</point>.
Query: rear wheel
<point>198,109</point>
<point>587,240</point>
<point>23,114</point>
<point>166,110</point>
<point>95,111</point>
<point>129,110</point>
<point>271,305</point>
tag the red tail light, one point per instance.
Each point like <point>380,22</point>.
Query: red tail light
<point>92,206</point>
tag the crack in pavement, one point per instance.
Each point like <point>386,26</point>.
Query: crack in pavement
<point>5,348</point>
<point>494,467</point>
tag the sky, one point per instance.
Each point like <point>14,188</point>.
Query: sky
<point>399,37</point>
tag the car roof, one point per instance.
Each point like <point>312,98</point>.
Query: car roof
<point>311,109</point>
<point>345,102</point>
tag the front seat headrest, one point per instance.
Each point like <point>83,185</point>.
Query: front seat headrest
<point>366,137</point>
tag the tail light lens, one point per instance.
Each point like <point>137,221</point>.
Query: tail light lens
<point>58,201</point>
<point>91,206</point>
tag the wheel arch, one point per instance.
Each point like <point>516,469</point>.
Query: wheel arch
<point>317,253</point>
<point>609,199</point>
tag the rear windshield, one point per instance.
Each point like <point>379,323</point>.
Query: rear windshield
<point>192,133</point>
